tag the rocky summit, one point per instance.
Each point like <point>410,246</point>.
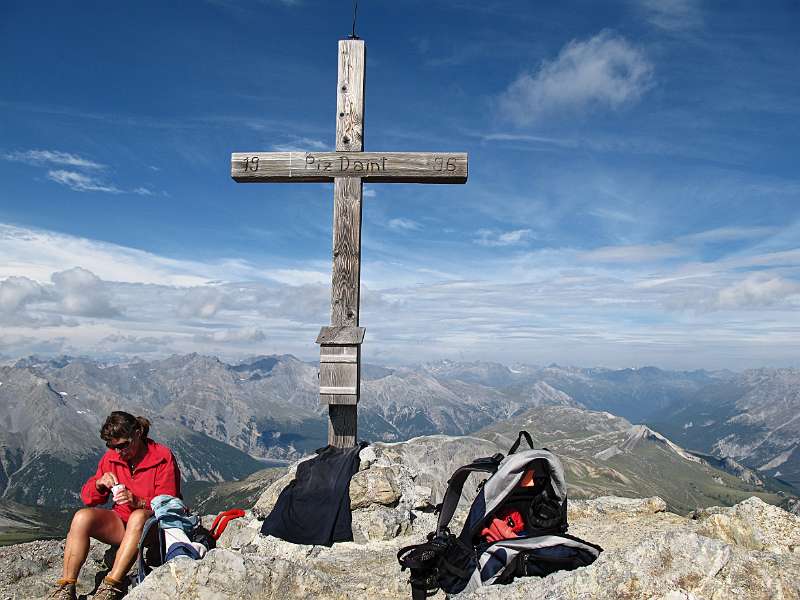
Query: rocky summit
<point>750,550</point>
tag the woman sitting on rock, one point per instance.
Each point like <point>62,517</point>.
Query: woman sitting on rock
<point>133,471</point>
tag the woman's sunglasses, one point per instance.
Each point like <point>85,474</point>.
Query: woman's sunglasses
<point>119,447</point>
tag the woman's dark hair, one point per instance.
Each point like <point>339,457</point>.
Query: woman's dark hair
<point>120,424</point>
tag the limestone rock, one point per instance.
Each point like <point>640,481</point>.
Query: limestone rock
<point>667,566</point>
<point>269,497</point>
<point>752,524</point>
<point>366,457</point>
<point>28,570</point>
<point>374,485</point>
<point>380,523</point>
<point>609,505</point>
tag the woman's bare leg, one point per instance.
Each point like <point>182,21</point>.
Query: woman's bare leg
<point>99,523</point>
<point>129,546</point>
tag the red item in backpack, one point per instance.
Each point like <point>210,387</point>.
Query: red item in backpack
<point>505,525</point>
<point>222,520</point>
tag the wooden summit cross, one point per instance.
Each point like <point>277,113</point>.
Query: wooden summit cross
<point>347,167</point>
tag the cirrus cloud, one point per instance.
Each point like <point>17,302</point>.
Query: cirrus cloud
<point>55,157</point>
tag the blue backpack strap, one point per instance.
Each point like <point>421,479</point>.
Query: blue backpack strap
<point>144,570</point>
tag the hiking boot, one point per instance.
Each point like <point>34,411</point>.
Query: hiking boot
<point>63,591</point>
<point>109,591</point>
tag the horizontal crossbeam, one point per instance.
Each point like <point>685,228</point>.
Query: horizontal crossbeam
<point>376,167</point>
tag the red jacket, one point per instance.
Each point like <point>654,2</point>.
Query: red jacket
<point>157,473</point>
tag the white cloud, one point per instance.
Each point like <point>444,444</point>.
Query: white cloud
<point>16,292</point>
<point>242,335</point>
<point>301,144</point>
<point>82,293</point>
<point>649,302</point>
<point>52,156</point>
<point>80,182</point>
<point>37,254</point>
<point>757,290</point>
<point>492,238</point>
<point>296,277</point>
<point>633,253</point>
<point>729,234</point>
<point>370,193</point>
<point>672,15</point>
<point>202,303</point>
<point>403,224</point>
<point>613,215</point>
<point>133,344</point>
<point>604,71</point>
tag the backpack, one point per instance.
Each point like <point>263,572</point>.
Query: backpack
<point>153,549</point>
<point>526,486</point>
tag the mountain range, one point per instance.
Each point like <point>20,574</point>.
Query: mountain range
<point>224,420</point>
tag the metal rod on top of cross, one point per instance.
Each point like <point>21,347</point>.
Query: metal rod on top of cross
<point>347,167</point>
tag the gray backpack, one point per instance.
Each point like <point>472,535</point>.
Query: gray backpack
<point>540,546</point>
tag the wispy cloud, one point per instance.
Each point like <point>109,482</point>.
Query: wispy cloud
<point>76,180</point>
<point>633,253</point>
<point>301,144</point>
<point>242,335</point>
<point>81,183</point>
<point>54,157</point>
<point>612,215</point>
<point>403,224</point>
<point>672,15</point>
<point>493,237</point>
<point>728,234</point>
<point>605,71</point>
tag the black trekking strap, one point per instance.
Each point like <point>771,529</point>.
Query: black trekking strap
<point>522,434</point>
<point>456,484</point>
<point>422,560</point>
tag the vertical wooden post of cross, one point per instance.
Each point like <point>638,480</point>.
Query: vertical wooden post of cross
<point>346,278</point>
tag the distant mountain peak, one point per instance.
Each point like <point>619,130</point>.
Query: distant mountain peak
<point>638,435</point>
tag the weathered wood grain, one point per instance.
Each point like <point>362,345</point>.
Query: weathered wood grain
<point>338,378</point>
<point>376,167</point>
<point>340,336</point>
<point>350,96</point>
<point>338,400</point>
<point>346,283</point>
<point>338,354</point>
<point>342,425</point>
<point>347,195</point>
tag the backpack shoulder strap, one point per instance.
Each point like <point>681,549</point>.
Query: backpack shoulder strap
<point>522,434</point>
<point>455,485</point>
<point>143,568</point>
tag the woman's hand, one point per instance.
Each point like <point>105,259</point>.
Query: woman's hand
<point>127,497</point>
<point>107,481</point>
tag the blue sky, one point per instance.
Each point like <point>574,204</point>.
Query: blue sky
<point>633,197</point>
